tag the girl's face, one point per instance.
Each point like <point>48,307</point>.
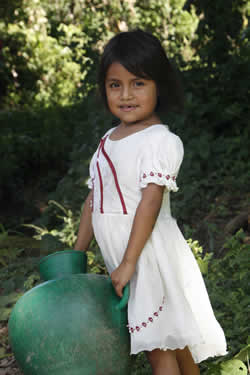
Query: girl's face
<point>130,98</point>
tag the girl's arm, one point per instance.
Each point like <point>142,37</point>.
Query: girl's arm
<point>85,232</point>
<point>144,221</point>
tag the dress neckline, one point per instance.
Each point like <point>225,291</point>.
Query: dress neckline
<point>130,135</point>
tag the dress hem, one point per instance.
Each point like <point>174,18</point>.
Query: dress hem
<point>197,359</point>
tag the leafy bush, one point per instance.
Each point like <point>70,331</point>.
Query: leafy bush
<point>230,274</point>
<point>64,236</point>
<point>50,50</point>
<point>18,273</point>
<point>35,146</point>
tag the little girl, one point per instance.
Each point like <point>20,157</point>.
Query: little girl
<point>128,210</point>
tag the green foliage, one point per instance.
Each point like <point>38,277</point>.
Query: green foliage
<point>7,256</point>
<point>95,260</point>
<point>244,354</point>
<point>231,367</point>
<point>203,260</point>
<point>33,143</point>
<point>40,70</point>
<point>6,304</point>
<point>141,365</point>
<point>50,49</point>
<point>217,92</point>
<point>17,270</point>
<point>230,274</point>
<point>64,236</point>
<point>212,164</point>
<point>172,24</point>
<point>17,274</point>
<point>49,59</point>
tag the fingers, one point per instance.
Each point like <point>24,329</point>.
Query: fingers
<point>119,291</point>
<point>120,278</point>
<point>118,288</point>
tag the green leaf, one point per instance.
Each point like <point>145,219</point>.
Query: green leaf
<point>5,355</point>
<point>244,354</point>
<point>4,313</point>
<point>9,299</point>
<point>2,353</point>
<point>50,243</point>
<point>203,266</point>
<point>233,367</point>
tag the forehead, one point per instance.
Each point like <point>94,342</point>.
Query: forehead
<point>117,71</point>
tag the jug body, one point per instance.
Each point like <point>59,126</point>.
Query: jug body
<point>71,325</point>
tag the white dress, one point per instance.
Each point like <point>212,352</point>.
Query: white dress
<point>168,306</point>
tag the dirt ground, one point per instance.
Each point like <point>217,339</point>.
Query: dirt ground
<point>8,365</point>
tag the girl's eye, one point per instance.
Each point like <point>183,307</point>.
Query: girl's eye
<point>139,83</point>
<point>114,85</point>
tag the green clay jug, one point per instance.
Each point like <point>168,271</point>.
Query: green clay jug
<point>72,324</point>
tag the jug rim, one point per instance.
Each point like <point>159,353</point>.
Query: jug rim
<point>44,259</point>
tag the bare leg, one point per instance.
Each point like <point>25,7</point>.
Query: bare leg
<point>163,362</point>
<point>186,363</point>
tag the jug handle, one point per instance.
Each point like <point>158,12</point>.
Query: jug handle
<point>124,300</point>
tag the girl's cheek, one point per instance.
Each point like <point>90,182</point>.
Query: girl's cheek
<point>114,95</point>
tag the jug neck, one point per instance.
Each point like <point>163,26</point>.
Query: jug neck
<point>62,264</point>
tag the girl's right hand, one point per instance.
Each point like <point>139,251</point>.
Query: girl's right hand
<point>121,276</point>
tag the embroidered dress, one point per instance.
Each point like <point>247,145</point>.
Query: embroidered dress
<point>168,306</point>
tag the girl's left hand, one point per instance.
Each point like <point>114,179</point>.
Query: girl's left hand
<point>121,276</point>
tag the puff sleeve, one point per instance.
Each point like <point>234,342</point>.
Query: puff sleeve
<point>90,180</point>
<point>160,160</point>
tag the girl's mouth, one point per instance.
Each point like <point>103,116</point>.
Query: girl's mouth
<point>128,108</point>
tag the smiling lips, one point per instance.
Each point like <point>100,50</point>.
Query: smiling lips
<point>128,108</point>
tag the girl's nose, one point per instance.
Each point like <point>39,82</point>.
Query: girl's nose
<point>126,92</point>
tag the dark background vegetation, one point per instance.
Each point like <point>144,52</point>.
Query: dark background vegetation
<point>50,126</point>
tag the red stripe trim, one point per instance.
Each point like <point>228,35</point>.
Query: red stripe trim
<point>102,141</point>
<point>99,148</point>
<point>115,178</point>
<point>93,184</point>
<point>101,186</point>
<point>99,172</point>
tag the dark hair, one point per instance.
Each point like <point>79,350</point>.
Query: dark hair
<point>142,54</point>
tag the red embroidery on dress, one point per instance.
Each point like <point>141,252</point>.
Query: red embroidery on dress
<point>159,175</point>
<point>99,172</point>
<point>115,178</point>
<point>102,141</point>
<point>101,149</point>
<point>93,187</point>
<point>101,187</point>
<point>150,320</point>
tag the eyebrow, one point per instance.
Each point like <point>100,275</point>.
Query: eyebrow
<point>112,79</point>
<point>117,79</point>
